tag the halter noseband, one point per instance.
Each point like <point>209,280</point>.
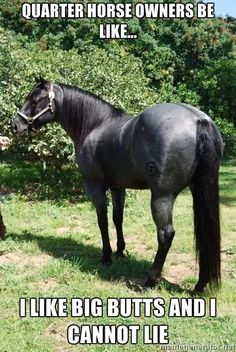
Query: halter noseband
<point>29,119</point>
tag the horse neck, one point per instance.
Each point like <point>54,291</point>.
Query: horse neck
<point>80,112</point>
<point>66,112</point>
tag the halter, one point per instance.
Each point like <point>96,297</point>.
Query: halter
<point>30,120</point>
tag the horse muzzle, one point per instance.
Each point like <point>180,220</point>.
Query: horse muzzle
<point>19,129</point>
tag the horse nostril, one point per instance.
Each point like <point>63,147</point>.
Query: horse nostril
<point>14,127</point>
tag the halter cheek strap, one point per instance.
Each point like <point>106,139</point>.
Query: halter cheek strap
<point>49,107</point>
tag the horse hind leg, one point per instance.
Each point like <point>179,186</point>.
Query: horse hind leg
<point>162,211</point>
<point>118,201</point>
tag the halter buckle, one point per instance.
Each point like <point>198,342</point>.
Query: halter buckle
<point>51,94</point>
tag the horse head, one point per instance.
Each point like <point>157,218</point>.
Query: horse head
<point>38,109</point>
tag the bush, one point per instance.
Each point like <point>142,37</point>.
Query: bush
<point>123,85</point>
<point>228,132</point>
<point>172,60</point>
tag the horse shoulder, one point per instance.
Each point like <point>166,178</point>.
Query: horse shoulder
<point>87,157</point>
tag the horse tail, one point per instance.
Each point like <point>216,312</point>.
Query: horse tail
<point>205,192</point>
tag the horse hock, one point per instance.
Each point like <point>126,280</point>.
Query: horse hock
<point>162,210</point>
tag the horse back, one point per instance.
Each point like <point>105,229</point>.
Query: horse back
<point>155,149</point>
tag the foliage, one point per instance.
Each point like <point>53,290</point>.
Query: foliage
<point>124,84</point>
<point>228,132</point>
<point>172,60</point>
<point>32,181</point>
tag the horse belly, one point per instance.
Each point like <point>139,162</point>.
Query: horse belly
<point>126,183</point>
<point>123,175</point>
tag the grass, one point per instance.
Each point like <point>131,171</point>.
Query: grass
<point>53,249</point>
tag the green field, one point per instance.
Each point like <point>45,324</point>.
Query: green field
<point>53,249</point>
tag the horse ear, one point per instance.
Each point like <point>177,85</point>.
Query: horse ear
<point>43,81</point>
<point>37,79</point>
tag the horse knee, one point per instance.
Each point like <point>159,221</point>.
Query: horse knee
<point>165,236</point>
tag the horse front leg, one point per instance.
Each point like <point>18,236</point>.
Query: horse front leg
<point>2,227</point>
<point>97,194</point>
<point>118,202</point>
<point>162,210</point>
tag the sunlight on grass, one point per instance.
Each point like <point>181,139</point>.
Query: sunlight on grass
<point>53,249</point>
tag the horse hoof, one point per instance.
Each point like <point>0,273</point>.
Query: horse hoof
<point>2,232</point>
<point>150,282</point>
<point>120,254</point>
<point>198,289</point>
<point>106,261</point>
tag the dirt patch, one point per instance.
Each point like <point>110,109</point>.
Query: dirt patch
<point>134,242</point>
<point>138,247</point>
<point>181,258</point>
<point>231,235</point>
<point>63,349</point>
<point>226,265</point>
<point>182,266</point>
<point>45,284</point>
<point>228,239</point>
<point>70,229</point>
<point>20,259</point>
<point>179,273</point>
<point>58,333</point>
<point>132,245</point>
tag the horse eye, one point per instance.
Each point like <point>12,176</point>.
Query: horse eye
<point>36,99</point>
<point>33,101</point>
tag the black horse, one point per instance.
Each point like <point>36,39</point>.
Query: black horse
<point>165,149</point>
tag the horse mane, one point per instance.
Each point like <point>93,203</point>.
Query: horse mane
<point>86,110</point>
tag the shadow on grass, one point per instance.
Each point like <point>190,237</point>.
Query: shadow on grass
<point>87,258</point>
